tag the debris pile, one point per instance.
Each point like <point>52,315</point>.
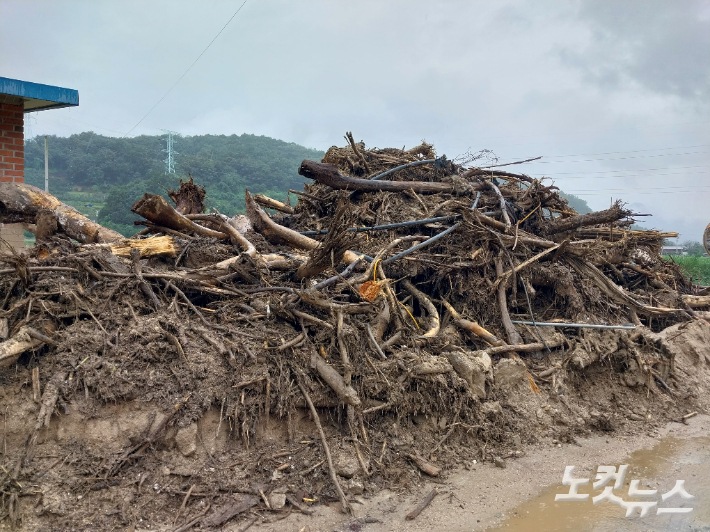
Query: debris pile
<point>407,314</point>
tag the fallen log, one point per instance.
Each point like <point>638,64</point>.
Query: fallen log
<point>426,466</point>
<point>271,203</point>
<point>328,174</point>
<point>612,214</point>
<point>278,234</point>
<point>24,339</point>
<point>696,301</point>
<point>224,225</point>
<point>159,212</point>
<point>22,203</point>
<point>153,246</point>
<point>472,326</point>
<point>336,382</point>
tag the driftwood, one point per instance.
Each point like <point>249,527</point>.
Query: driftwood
<point>155,246</point>
<point>333,476</point>
<point>696,301</point>
<point>472,326</point>
<point>159,212</point>
<point>426,466</point>
<point>513,336</point>
<point>278,234</point>
<point>422,505</point>
<point>428,305</point>
<point>21,203</point>
<point>612,214</point>
<point>24,339</point>
<point>330,375</point>
<point>524,348</point>
<point>616,292</point>
<point>224,225</point>
<point>327,174</point>
<point>271,203</point>
<point>189,198</point>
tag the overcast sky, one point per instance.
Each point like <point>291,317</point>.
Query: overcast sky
<point>614,94</point>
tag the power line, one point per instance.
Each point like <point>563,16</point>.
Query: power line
<point>628,175</point>
<point>622,171</point>
<point>618,152</point>
<point>188,68</point>
<point>635,193</point>
<point>605,190</point>
<point>620,158</point>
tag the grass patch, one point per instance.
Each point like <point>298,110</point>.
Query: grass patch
<point>697,268</point>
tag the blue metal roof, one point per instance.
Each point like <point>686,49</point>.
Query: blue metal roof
<point>35,96</point>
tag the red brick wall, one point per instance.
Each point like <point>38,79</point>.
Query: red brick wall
<point>12,143</point>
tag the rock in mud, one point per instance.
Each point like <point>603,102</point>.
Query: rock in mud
<point>491,408</point>
<point>473,368</point>
<point>186,439</point>
<point>510,373</point>
<point>277,500</point>
<point>347,466</point>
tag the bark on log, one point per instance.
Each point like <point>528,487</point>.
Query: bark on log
<point>159,212</point>
<point>612,214</point>
<point>21,203</point>
<point>328,174</point>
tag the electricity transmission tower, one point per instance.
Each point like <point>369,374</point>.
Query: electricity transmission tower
<point>170,159</point>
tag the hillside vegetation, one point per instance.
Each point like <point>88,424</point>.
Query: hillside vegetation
<point>103,176</point>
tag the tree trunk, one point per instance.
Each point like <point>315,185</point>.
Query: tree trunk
<point>22,203</point>
<point>328,174</point>
<point>612,214</point>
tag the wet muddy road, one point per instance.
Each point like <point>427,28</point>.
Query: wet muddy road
<point>521,497</point>
<point>656,468</point>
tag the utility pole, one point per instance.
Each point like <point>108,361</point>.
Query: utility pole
<point>170,159</point>
<point>46,165</point>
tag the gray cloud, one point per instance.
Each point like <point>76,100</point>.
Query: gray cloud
<point>664,46</point>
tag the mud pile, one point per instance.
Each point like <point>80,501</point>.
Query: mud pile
<point>408,314</point>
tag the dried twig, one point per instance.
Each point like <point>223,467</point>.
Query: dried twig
<point>422,505</point>
<point>333,476</point>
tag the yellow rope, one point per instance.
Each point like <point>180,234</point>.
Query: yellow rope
<point>532,211</point>
<point>374,271</point>
<point>410,314</point>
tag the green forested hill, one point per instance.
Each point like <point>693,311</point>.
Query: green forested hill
<point>103,176</point>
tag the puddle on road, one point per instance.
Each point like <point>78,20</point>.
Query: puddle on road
<point>670,460</point>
